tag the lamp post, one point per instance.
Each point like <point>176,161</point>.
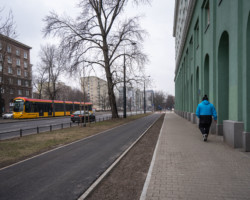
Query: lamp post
<point>124,84</point>
<point>144,98</point>
<point>124,88</point>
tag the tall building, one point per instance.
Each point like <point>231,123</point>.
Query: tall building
<point>15,71</point>
<point>96,91</point>
<point>212,57</point>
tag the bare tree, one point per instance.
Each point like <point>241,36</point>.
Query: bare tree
<point>52,62</point>
<point>7,29</point>
<point>99,38</point>
<point>159,100</point>
<point>170,102</point>
<point>39,81</point>
<point>7,24</point>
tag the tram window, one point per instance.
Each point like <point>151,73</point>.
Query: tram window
<point>27,107</point>
<point>35,107</point>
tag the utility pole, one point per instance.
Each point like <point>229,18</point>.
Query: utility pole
<point>124,88</point>
<point>144,98</point>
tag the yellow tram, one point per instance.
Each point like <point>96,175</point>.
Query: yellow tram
<point>34,108</point>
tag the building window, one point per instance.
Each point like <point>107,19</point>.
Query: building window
<point>1,67</point>
<point>11,91</point>
<point>1,57</point>
<point>25,55</point>
<point>27,92</point>
<point>17,52</point>
<point>1,79</point>
<point>0,46</point>
<point>9,49</point>
<point>2,90</point>
<point>18,63</point>
<point>206,15</point>
<point>19,92</point>
<point>10,70</point>
<point>18,72</point>
<point>25,64</point>
<point>10,80</point>
<point>9,59</point>
<point>27,83</point>
<point>196,31</point>
<point>19,82</point>
<point>25,73</point>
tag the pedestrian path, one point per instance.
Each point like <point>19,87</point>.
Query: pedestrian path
<point>185,167</point>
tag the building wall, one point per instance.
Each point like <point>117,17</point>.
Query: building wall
<point>97,91</point>
<point>215,59</point>
<point>16,77</point>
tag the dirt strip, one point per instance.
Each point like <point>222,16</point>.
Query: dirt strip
<point>126,180</point>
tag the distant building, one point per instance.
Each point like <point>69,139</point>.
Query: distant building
<point>150,100</point>
<point>135,99</point>
<point>212,40</point>
<point>15,71</point>
<point>96,90</point>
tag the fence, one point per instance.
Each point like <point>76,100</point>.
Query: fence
<point>46,128</point>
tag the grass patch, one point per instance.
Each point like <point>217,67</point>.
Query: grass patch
<point>18,149</point>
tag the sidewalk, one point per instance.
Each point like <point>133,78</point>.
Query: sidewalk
<point>185,167</point>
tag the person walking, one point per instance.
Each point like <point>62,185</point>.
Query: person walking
<point>205,110</point>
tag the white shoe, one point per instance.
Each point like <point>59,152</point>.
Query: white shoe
<point>205,137</point>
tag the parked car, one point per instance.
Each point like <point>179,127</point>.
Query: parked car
<point>78,115</point>
<point>8,115</point>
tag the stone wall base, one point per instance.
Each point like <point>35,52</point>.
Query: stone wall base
<point>193,118</point>
<point>232,133</point>
<point>219,129</point>
<point>246,141</point>
<point>213,128</point>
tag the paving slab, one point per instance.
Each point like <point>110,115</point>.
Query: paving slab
<point>185,167</point>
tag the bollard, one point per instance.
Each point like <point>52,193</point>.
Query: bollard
<point>21,133</point>
<point>61,126</point>
<point>70,124</point>
<point>50,128</point>
<point>37,130</point>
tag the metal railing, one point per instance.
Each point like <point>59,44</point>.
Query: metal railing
<point>47,128</point>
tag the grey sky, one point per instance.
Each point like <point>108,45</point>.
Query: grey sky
<point>158,21</point>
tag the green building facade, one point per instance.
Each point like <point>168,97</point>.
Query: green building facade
<point>213,58</point>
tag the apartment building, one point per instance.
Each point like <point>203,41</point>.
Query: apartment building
<point>15,71</point>
<point>96,91</point>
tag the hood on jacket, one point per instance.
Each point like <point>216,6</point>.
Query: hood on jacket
<point>206,102</point>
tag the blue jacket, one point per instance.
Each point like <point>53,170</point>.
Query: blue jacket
<point>206,108</point>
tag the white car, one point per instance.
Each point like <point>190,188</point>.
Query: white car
<point>8,116</point>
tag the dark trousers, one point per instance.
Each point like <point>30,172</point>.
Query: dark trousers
<point>205,123</point>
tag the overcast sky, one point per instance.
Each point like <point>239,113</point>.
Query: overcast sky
<point>157,21</point>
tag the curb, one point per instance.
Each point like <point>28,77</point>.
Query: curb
<point>105,173</point>
<point>146,184</point>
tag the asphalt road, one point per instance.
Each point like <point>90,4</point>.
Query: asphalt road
<point>67,172</point>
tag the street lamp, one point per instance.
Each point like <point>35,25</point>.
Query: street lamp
<point>124,85</point>
<point>145,95</point>
<point>144,98</point>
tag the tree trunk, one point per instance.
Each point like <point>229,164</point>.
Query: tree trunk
<point>112,100</point>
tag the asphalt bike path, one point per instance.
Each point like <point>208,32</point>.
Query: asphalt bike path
<point>67,172</point>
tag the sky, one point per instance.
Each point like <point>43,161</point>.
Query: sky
<point>157,21</point>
